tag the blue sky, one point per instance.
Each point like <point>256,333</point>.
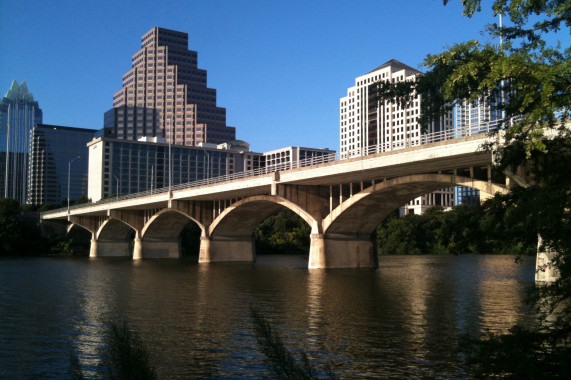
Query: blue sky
<point>279,67</point>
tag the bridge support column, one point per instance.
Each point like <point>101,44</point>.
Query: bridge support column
<point>219,249</point>
<point>341,252</point>
<point>544,270</point>
<point>160,249</point>
<point>137,249</point>
<point>107,248</point>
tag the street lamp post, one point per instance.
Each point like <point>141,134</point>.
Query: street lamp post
<point>117,185</point>
<point>207,165</point>
<point>170,159</point>
<point>69,178</point>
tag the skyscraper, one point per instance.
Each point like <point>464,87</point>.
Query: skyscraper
<point>19,112</point>
<point>58,164</point>
<point>165,94</point>
<point>369,126</point>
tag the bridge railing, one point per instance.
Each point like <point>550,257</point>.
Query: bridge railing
<point>423,139</point>
<point>212,180</point>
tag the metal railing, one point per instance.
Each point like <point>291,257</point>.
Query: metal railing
<point>312,161</point>
<point>423,139</point>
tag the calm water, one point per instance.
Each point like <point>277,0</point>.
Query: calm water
<point>399,321</point>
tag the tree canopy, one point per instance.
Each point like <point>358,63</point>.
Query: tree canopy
<point>529,80</point>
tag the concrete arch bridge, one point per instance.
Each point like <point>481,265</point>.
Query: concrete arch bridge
<point>342,201</point>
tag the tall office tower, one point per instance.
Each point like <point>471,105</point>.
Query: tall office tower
<point>472,118</point>
<point>19,112</point>
<point>58,164</point>
<point>478,116</point>
<point>368,126</point>
<point>165,94</point>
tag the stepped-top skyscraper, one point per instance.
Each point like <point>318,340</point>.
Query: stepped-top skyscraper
<point>19,112</point>
<point>165,94</point>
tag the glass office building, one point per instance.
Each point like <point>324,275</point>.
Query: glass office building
<point>119,167</point>
<point>58,164</point>
<point>19,112</point>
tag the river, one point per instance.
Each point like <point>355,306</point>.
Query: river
<point>399,321</point>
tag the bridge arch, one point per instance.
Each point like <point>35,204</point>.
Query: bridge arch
<point>79,236</point>
<point>113,238</point>
<point>362,213</point>
<point>230,235</point>
<point>168,223</point>
<point>160,236</point>
<point>115,229</point>
<point>242,217</point>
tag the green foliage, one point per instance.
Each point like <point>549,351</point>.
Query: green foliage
<point>464,229</point>
<point>279,360</point>
<point>126,357</point>
<point>66,247</point>
<point>284,232</point>
<point>81,200</point>
<point>519,354</point>
<point>19,236</point>
<point>533,81</point>
<point>11,234</point>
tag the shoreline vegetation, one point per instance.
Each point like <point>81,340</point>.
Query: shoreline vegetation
<point>481,229</point>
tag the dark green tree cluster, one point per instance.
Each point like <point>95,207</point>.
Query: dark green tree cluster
<point>464,229</point>
<point>284,232</point>
<point>19,236</point>
<point>531,81</point>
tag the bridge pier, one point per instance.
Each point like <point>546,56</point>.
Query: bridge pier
<point>107,248</point>
<point>339,251</point>
<point>544,269</point>
<point>219,249</point>
<point>137,249</point>
<point>159,249</point>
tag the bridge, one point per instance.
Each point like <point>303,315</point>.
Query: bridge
<point>343,201</point>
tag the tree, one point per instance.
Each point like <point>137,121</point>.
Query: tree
<point>530,81</point>
<point>283,232</point>
<point>11,234</point>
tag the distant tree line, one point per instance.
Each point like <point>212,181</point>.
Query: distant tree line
<point>464,229</point>
<point>20,232</point>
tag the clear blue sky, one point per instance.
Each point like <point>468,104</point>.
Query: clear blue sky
<point>279,67</point>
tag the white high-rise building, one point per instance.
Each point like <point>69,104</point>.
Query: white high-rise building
<point>368,126</point>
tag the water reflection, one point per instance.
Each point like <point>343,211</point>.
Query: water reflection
<point>402,320</point>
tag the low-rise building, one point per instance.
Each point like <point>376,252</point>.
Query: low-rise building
<point>281,158</point>
<point>119,167</point>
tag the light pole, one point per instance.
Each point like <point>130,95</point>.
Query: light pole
<point>170,159</point>
<point>207,165</point>
<point>68,179</point>
<point>117,185</point>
